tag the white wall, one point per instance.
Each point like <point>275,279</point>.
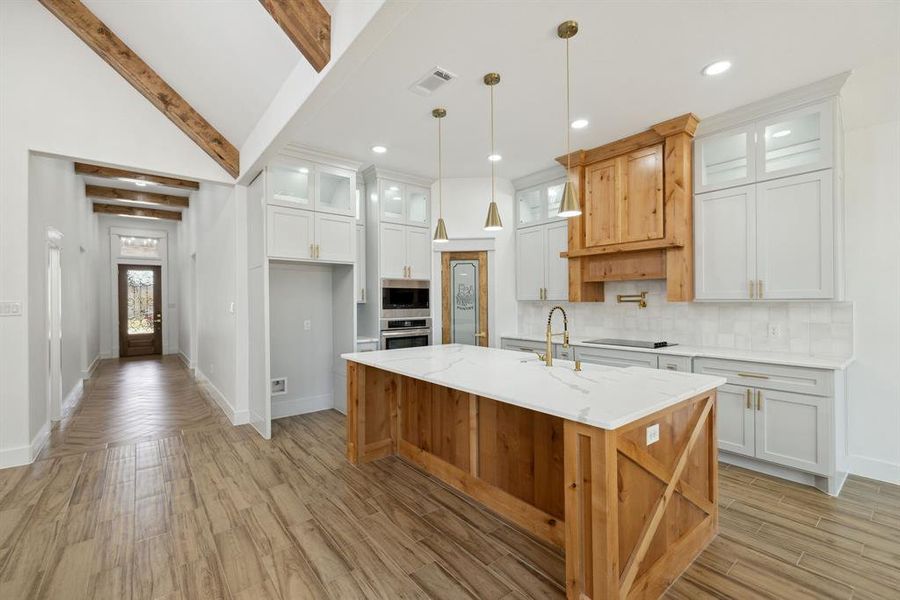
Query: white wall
<point>107,298</point>
<point>871,110</point>
<point>60,98</point>
<point>56,199</point>
<point>465,208</point>
<point>298,293</point>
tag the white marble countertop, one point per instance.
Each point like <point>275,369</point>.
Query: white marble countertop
<point>774,358</point>
<point>605,397</point>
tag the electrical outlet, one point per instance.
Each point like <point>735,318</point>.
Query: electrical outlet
<point>307,325</point>
<point>774,331</point>
<point>653,434</point>
<point>10,309</point>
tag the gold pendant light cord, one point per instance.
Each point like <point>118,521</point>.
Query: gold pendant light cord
<point>568,123</point>
<point>440,175</point>
<point>492,143</point>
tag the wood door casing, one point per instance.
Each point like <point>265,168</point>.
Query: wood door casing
<point>481,257</point>
<point>140,344</point>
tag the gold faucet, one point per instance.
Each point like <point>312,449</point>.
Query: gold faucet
<point>548,357</point>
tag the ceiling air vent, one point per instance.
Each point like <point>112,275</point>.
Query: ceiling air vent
<point>432,80</point>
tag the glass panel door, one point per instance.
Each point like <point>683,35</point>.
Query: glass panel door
<point>724,160</point>
<point>531,206</point>
<point>392,202</point>
<point>464,301</point>
<point>416,205</point>
<point>554,199</point>
<point>291,186</point>
<point>336,192</point>
<point>140,310</point>
<point>797,142</point>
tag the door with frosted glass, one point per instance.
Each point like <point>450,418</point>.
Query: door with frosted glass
<point>464,284</point>
<point>140,310</point>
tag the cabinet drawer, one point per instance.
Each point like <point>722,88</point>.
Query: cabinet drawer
<point>522,345</point>
<point>615,358</point>
<point>770,377</point>
<point>675,363</point>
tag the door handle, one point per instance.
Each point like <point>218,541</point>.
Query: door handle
<point>480,334</point>
<point>749,397</point>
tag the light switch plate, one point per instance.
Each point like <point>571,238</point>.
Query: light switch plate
<point>653,434</point>
<point>307,325</point>
<point>10,309</point>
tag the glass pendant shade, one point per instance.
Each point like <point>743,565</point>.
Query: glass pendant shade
<point>493,222</point>
<point>569,205</point>
<point>440,232</point>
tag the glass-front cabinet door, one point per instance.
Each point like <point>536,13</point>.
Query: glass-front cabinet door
<point>292,185</point>
<point>531,206</point>
<point>416,205</point>
<point>796,142</point>
<point>336,191</point>
<point>392,207</point>
<point>554,199</point>
<point>724,160</point>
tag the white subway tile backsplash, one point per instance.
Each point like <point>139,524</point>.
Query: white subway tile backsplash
<point>817,328</point>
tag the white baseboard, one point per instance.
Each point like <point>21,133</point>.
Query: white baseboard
<point>37,444</point>
<point>89,372</point>
<point>298,406</point>
<point>237,417</point>
<point>185,360</point>
<point>25,455</point>
<point>829,485</point>
<point>873,468</point>
<point>72,398</point>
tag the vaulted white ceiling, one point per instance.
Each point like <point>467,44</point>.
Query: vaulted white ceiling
<point>227,58</point>
<point>634,64</point>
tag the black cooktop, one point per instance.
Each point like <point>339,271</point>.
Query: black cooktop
<point>631,343</point>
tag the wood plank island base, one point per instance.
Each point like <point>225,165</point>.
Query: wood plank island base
<point>563,454</point>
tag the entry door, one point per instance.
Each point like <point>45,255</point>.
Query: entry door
<point>140,310</point>
<point>464,306</point>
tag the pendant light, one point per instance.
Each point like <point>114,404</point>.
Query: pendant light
<point>493,222</point>
<point>440,232</point>
<point>569,205</point>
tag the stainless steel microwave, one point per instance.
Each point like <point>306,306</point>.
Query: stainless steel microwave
<point>405,298</point>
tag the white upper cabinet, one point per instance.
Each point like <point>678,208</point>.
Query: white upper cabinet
<point>404,204</point>
<point>795,142</point>
<point>725,244</point>
<point>360,264</point>
<point>530,263</point>
<point>335,191</point>
<point>290,233</point>
<point>795,239</point>
<point>557,268</point>
<point>393,251</point>
<point>418,253</point>
<point>725,159</point>
<point>335,238</point>
<point>292,185</point>
<point>539,204</point>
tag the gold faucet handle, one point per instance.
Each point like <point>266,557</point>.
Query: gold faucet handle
<point>540,356</point>
<point>578,365</point>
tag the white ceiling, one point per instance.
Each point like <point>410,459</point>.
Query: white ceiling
<point>227,58</point>
<point>634,64</point>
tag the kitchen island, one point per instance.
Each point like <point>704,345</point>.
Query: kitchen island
<point>616,465</point>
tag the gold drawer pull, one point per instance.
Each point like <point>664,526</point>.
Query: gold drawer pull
<point>759,400</point>
<point>753,375</point>
<point>749,397</point>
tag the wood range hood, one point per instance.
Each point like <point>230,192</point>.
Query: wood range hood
<point>636,223</point>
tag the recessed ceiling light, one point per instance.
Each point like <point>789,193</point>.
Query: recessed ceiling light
<point>782,133</point>
<point>716,68</point>
<point>579,123</point>
<point>379,149</point>
<point>494,157</point>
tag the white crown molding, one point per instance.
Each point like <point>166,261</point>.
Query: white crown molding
<point>373,172</point>
<point>807,94</point>
<point>318,156</point>
<point>541,177</point>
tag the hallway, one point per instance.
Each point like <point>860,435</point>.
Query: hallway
<point>148,492</point>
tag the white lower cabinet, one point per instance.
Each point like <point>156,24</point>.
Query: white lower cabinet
<point>295,234</point>
<point>616,358</point>
<point>735,419</point>
<point>793,430</point>
<point>541,274</point>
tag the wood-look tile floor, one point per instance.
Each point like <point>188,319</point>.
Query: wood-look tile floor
<point>175,503</point>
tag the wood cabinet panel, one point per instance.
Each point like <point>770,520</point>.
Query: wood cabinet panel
<point>641,199</point>
<point>602,188</point>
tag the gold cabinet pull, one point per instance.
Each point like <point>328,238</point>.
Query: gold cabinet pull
<point>749,397</point>
<point>312,250</point>
<point>759,289</point>
<point>751,290</point>
<point>759,399</point>
<point>752,375</point>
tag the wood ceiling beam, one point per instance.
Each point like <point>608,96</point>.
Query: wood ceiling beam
<point>106,193</point>
<point>128,211</point>
<point>129,65</point>
<point>307,24</point>
<point>114,173</point>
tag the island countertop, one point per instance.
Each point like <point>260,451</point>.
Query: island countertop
<point>600,396</point>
